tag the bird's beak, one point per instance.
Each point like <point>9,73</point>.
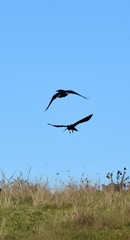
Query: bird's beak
<point>65,130</point>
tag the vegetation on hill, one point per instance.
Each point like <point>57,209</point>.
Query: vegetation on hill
<point>77,211</point>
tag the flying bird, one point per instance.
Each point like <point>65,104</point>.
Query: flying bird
<point>62,93</point>
<point>72,127</point>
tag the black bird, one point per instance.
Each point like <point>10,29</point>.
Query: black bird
<point>62,93</point>
<point>72,127</point>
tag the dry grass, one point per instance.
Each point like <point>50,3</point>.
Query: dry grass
<point>76,211</point>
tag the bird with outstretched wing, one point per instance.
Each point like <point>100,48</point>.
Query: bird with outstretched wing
<point>72,127</point>
<point>63,93</point>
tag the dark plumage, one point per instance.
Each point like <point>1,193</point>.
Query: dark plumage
<point>72,127</point>
<point>62,93</point>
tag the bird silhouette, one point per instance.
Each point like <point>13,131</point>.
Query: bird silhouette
<point>62,93</point>
<point>72,127</point>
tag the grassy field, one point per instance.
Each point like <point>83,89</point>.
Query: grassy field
<point>76,211</point>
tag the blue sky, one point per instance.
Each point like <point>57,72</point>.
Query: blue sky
<point>79,45</point>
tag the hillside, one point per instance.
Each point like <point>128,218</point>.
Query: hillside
<point>76,211</point>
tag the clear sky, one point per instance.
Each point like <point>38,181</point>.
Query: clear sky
<point>79,45</point>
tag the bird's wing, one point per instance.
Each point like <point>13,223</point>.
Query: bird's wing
<point>73,92</point>
<point>56,125</point>
<point>83,120</point>
<point>52,99</point>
